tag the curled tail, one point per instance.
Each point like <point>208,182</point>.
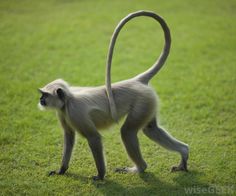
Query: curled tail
<point>147,75</point>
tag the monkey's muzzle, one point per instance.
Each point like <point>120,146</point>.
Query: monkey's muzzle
<point>43,102</point>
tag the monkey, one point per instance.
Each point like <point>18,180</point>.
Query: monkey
<point>88,109</point>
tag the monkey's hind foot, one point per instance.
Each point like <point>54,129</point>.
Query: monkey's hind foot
<point>125,170</point>
<point>181,167</point>
<point>178,168</point>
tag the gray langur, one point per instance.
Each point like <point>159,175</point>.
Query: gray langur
<point>88,109</point>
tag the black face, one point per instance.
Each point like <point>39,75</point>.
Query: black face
<point>43,99</point>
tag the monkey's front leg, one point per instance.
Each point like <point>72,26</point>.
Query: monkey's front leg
<point>95,145</point>
<point>69,139</point>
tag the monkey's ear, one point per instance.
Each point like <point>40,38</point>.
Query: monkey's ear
<point>60,93</point>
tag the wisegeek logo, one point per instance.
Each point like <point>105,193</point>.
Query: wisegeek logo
<point>213,189</point>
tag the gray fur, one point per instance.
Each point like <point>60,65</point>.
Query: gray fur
<point>88,109</point>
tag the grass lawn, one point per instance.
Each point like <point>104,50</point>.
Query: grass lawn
<point>44,40</point>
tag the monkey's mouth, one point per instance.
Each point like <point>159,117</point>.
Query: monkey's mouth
<point>41,107</point>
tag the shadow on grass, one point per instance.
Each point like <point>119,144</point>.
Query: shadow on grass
<point>149,185</point>
<point>77,177</point>
<point>191,181</point>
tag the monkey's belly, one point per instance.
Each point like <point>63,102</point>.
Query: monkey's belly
<point>101,119</point>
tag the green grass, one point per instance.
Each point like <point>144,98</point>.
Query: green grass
<point>44,40</point>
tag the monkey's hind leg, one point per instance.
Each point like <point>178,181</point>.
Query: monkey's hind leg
<point>162,137</point>
<point>129,137</point>
<point>130,140</point>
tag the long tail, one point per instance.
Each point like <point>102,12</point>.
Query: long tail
<point>147,75</point>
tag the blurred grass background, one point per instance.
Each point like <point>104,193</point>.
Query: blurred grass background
<point>44,40</point>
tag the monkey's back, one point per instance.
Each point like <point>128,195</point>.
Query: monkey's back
<point>133,95</point>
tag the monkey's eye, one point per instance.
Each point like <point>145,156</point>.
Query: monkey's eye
<point>45,95</point>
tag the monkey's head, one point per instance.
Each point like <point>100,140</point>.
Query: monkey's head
<point>53,95</point>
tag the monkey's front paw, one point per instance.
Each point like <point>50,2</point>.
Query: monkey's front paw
<point>60,172</point>
<point>96,178</point>
<point>52,173</point>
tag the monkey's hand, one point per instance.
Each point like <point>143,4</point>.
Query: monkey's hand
<point>96,178</point>
<point>60,172</point>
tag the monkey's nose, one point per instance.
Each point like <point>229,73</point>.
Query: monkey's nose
<point>43,102</point>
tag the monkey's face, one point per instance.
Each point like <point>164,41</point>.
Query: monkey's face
<point>50,100</point>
